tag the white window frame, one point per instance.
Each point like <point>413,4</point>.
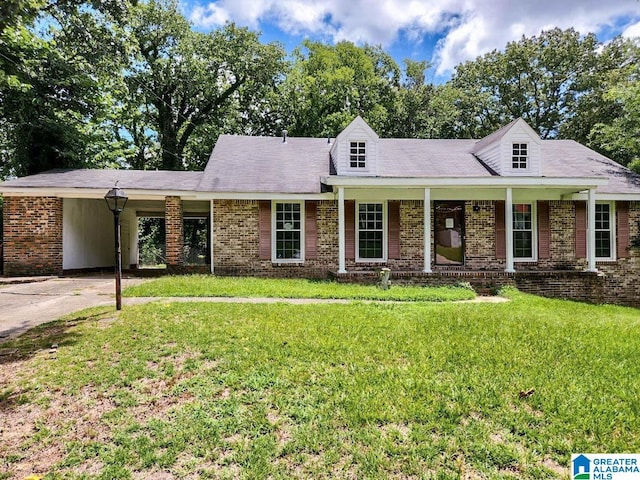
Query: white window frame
<point>366,155</point>
<point>534,233</point>
<point>612,232</point>
<point>274,232</point>
<point>384,233</point>
<point>520,157</point>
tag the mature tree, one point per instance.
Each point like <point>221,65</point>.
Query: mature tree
<point>329,85</point>
<point>539,79</point>
<point>423,110</point>
<point>180,80</point>
<point>51,81</point>
<point>620,136</point>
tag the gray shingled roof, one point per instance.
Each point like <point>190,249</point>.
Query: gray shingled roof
<point>567,158</point>
<point>266,164</point>
<point>428,158</point>
<point>105,179</point>
<point>494,137</point>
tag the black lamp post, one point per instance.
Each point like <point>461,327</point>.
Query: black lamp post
<point>116,200</point>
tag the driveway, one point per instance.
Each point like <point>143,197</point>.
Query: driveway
<point>26,305</point>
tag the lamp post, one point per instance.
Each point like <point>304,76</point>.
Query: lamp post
<point>116,200</point>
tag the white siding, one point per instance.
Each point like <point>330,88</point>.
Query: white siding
<point>87,234</point>
<point>492,156</point>
<point>357,131</point>
<point>520,134</point>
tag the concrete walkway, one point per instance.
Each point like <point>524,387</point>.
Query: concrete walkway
<point>31,301</point>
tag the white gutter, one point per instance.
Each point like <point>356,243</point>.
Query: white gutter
<point>132,193</point>
<point>465,182</point>
<point>629,197</point>
<point>139,194</point>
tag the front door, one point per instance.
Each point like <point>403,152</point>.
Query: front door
<point>449,233</point>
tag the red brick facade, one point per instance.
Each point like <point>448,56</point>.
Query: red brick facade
<point>32,241</point>
<point>561,275</point>
<point>33,245</point>
<point>236,249</point>
<point>174,230</point>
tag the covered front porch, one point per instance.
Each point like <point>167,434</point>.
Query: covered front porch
<point>488,224</point>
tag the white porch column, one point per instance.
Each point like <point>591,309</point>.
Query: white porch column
<point>591,231</point>
<point>341,234</point>
<point>508,218</point>
<point>211,234</point>
<point>427,230</point>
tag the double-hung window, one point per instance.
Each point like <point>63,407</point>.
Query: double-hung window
<point>520,156</point>
<point>288,232</point>
<point>358,155</point>
<point>604,231</point>
<point>370,226</point>
<point>524,232</point>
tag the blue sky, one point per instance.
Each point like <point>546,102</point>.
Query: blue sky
<point>444,32</point>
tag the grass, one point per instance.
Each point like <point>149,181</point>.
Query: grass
<point>210,286</point>
<point>405,390</point>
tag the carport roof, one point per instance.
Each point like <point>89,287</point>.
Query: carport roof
<point>106,179</point>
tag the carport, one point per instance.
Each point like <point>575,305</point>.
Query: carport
<point>58,222</point>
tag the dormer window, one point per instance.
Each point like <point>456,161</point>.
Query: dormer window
<point>358,155</point>
<point>520,156</point>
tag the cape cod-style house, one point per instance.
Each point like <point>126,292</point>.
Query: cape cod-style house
<point>548,216</point>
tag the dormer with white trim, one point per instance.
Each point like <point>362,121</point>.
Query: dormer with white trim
<point>512,151</point>
<point>355,150</point>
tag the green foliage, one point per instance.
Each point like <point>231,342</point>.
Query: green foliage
<point>212,286</point>
<point>151,241</point>
<point>619,138</point>
<point>539,78</point>
<point>422,110</point>
<point>110,83</point>
<point>329,85</point>
<point>183,81</point>
<point>339,391</point>
<point>52,83</point>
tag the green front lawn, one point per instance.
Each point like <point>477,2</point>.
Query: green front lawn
<point>404,390</point>
<point>212,286</point>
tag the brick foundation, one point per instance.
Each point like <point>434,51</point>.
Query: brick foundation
<point>32,236</point>
<point>571,285</point>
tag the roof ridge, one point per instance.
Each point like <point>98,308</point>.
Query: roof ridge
<point>495,136</point>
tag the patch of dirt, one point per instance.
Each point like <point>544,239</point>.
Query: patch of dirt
<point>37,425</point>
<point>555,467</point>
<point>281,425</point>
<point>466,471</point>
<point>400,430</point>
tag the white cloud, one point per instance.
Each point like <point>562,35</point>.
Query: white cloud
<point>632,31</point>
<point>466,28</point>
<point>493,23</point>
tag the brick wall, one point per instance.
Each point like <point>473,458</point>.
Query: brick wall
<point>236,242</point>
<point>174,231</point>
<point>411,236</point>
<point>480,237</point>
<point>622,278</point>
<point>572,285</point>
<point>32,236</point>
<point>561,276</point>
